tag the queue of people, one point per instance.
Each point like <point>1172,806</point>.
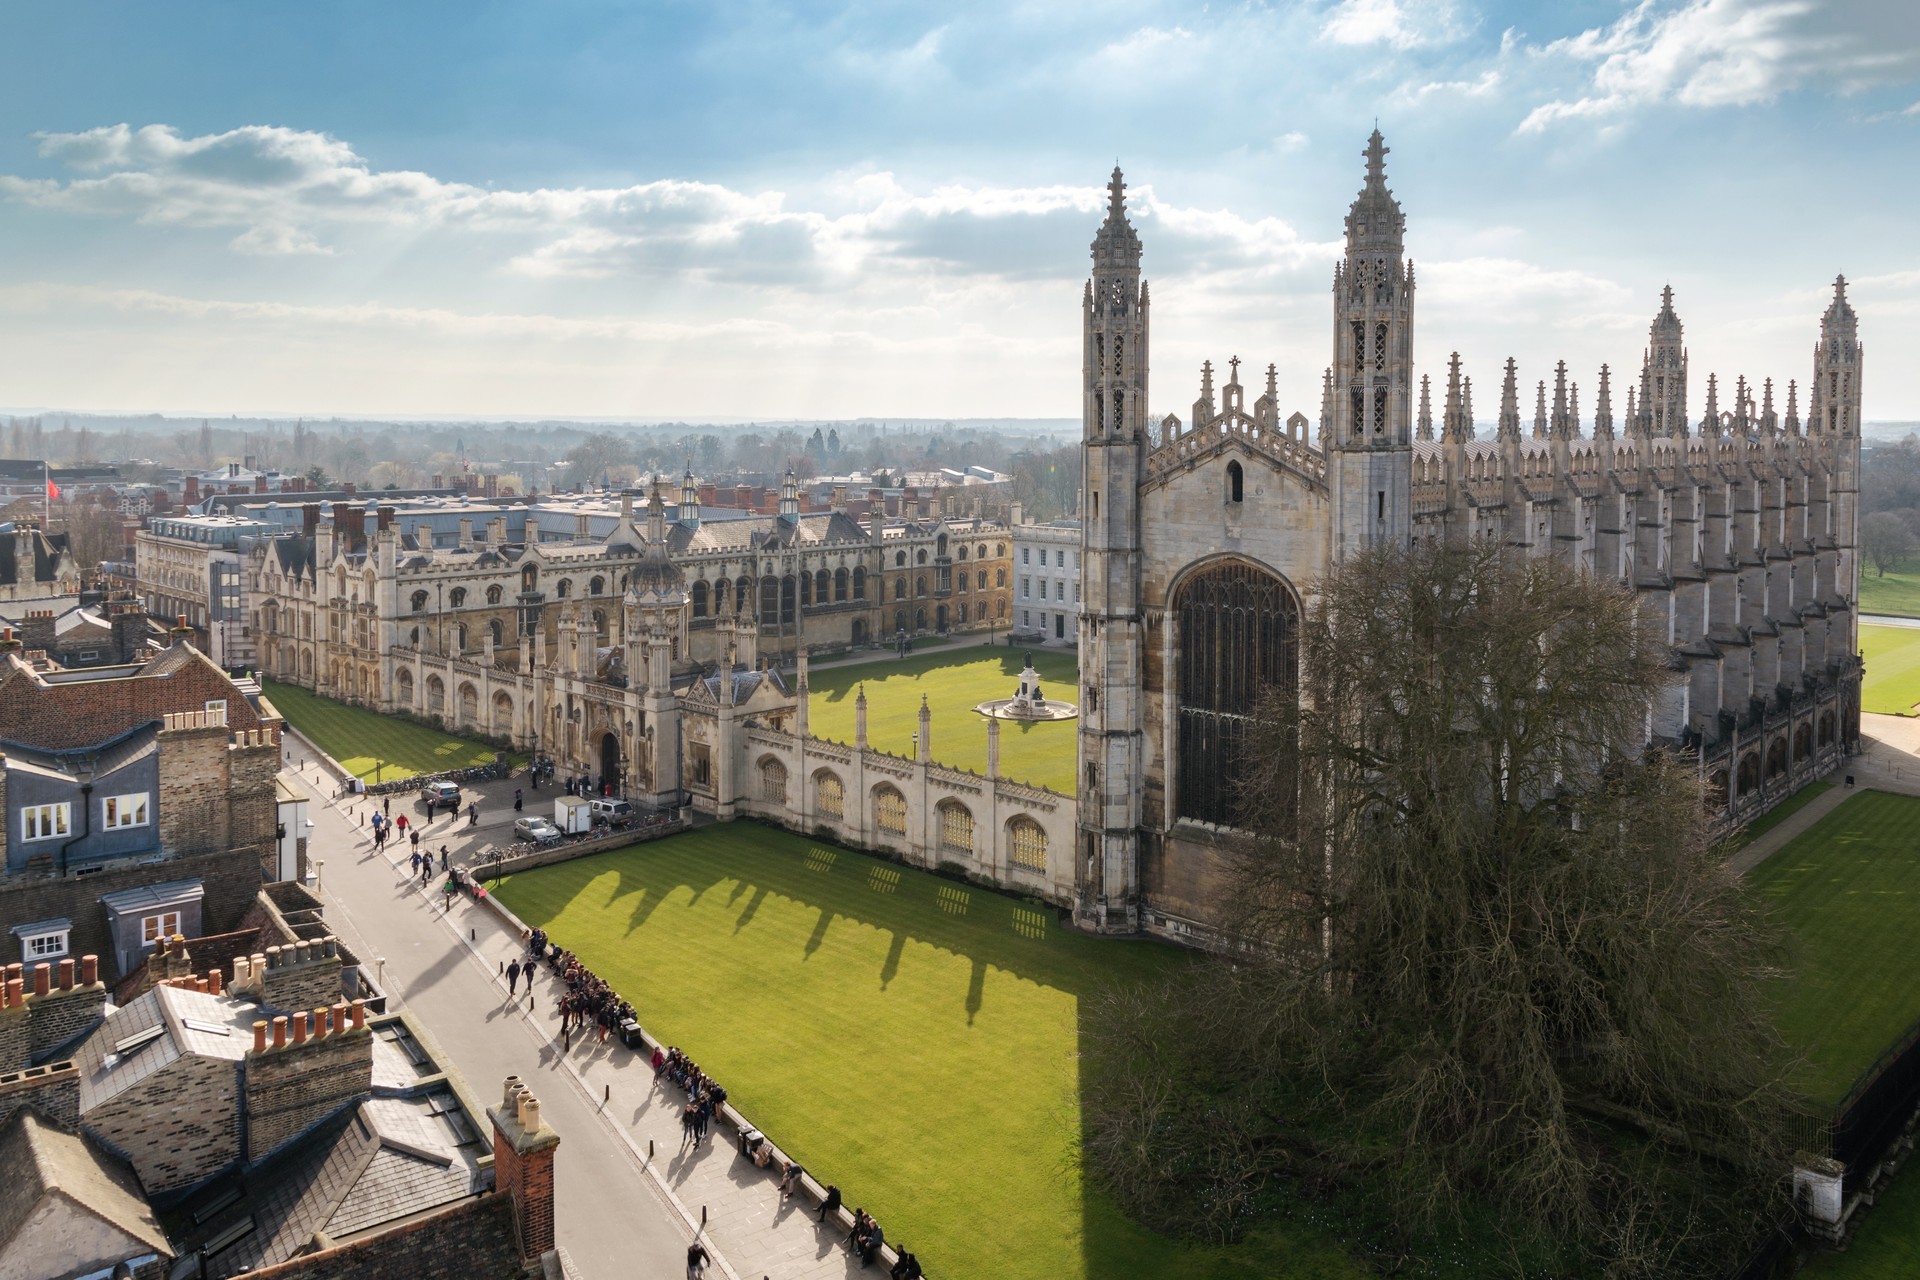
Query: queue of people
<point>590,1003</point>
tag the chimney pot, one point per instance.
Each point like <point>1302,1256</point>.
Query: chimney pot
<point>320,1020</point>
<point>66,974</point>
<point>280,1031</point>
<point>214,983</point>
<point>258,968</point>
<point>42,979</point>
<point>529,1113</point>
<point>339,1015</point>
<point>16,992</point>
<point>506,1097</point>
<point>89,970</point>
<point>300,1027</point>
<point>331,943</point>
<point>260,1037</point>
<point>300,951</point>
<point>359,1015</point>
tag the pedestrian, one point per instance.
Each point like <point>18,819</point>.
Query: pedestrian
<point>516,799</point>
<point>386,804</point>
<point>401,822</point>
<point>414,835</point>
<point>697,1260</point>
<point>416,862</point>
<point>789,1178</point>
<point>449,888</point>
<point>473,814</point>
<point>443,857</point>
<point>513,977</point>
<point>830,1203</point>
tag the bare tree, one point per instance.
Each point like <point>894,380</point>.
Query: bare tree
<point>1886,540</point>
<point>1501,969</point>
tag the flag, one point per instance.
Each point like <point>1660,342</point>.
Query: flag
<point>53,490</point>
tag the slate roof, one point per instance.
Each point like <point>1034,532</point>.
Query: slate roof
<point>42,1161</point>
<point>374,1163</point>
<point>41,562</point>
<point>188,1022</point>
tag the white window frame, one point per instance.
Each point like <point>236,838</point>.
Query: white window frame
<point>159,925</point>
<point>217,704</point>
<point>45,821</point>
<point>51,945</point>
<point>114,809</point>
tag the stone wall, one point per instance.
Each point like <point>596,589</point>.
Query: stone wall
<point>177,1126</point>
<point>231,878</point>
<point>52,1090</point>
<point>988,810</point>
<point>293,1087</point>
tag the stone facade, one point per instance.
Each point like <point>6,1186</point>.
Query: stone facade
<point>575,648</point>
<point>292,1087</point>
<point>1199,538</point>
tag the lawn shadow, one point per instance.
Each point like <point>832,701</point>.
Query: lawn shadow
<point>891,969</point>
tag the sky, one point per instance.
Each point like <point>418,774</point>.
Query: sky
<point>723,211</point>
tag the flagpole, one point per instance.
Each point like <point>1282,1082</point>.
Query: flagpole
<point>46,495</point>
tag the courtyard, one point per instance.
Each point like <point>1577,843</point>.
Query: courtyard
<point>912,1039</point>
<point>372,746</point>
<point>1892,685</point>
<point>1848,890</point>
<point>953,681</point>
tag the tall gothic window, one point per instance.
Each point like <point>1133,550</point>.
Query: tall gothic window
<point>1239,635</point>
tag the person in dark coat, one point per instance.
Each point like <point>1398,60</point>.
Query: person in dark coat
<point>516,799</point>
<point>830,1203</point>
<point>513,976</point>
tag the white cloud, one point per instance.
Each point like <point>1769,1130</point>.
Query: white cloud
<point>1401,24</point>
<point>1483,86</point>
<point>1723,53</point>
<point>287,192</point>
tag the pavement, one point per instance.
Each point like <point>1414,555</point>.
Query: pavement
<point>628,1197</point>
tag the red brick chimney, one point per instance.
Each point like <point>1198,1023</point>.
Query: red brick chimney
<point>523,1168</point>
<point>191,494</point>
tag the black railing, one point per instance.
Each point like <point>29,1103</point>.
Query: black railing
<point>1878,1107</point>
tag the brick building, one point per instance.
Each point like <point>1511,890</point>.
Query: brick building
<point>139,803</point>
<point>263,1124</point>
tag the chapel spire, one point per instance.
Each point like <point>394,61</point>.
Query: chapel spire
<point>1456,423</point>
<point>1424,430</point>
<point>1603,406</point>
<point>1509,428</point>
<point>1117,244</point>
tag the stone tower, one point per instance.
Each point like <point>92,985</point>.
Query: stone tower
<point>1837,361</point>
<point>1113,448</point>
<point>1663,376</point>
<point>1370,438</point>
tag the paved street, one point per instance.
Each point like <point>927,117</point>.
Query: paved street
<point>612,1219</point>
<point>618,1217</point>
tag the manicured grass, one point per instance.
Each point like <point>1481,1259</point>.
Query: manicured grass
<point>1779,814</point>
<point>1898,593</point>
<point>363,741</point>
<point>1893,669</point>
<point>913,1040</point>
<point>953,681</point>
<point>1849,890</point>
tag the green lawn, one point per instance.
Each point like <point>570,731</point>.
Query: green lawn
<point>913,1040</point>
<point>1898,593</point>
<point>363,741</point>
<point>953,681</point>
<point>1779,814</point>
<point>1849,890</point>
<point>1893,669</point>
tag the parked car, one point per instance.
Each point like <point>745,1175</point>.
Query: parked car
<point>615,813</point>
<point>440,795</point>
<point>536,829</point>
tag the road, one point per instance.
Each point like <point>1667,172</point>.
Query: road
<point>612,1219</point>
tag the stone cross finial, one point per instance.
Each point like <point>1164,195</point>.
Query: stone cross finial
<point>1233,374</point>
<point>1376,154</point>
